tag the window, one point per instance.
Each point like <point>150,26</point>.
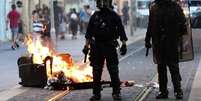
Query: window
<point>143,4</point>
<point>195,3</point>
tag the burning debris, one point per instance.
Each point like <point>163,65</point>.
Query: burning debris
<point>59,79</point>
<point>44,67</point>
<point>152,84</point>
<point>56,67</point>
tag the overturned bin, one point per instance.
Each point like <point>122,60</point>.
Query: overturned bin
<point>32,75</point>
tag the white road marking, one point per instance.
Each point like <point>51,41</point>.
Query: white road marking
<point>5,95</point>
<point>196,86</point>
<point>131,53</point>
<point>18,89</point>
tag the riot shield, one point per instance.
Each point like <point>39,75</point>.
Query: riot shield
<point>186,52</point>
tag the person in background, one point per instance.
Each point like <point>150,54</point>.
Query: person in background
<point>21,23</point>
<point>37,24</point>
<point>125,12</point>
<point>46,9</point>
<point>46,24</point>
<point>84,16</point>
<point>37,8</point>
<point>13,18</point>
<point>62,23</point>
<point>73,23</point>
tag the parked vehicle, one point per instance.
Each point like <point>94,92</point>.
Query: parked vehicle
<point>195,13</point>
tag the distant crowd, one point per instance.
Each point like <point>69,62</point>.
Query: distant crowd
<point>65,22</point>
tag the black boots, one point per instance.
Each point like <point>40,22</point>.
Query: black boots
<point>162,95</point>
<point>116,96</point>
<point>13,47</point>
<point>95,98</point>
<point>179,94</point>
<point>17,45</point>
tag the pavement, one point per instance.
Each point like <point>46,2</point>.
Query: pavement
<point>195,94</point>
<point>74,47</point>
<point>138,34</point>
<point>196,87</point>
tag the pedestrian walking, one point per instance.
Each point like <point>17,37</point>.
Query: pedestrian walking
<point>46,23</point>
<point>166,26</point>
<point>21,23</point>
<point>13,18</point>
<point>37,24</point>
<point>73,25</point>
<point>125,12</point>
<point>104,28</point>
<point>62,24</point>
<point>84,16</point>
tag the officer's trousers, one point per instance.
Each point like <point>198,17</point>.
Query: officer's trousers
<point>99,54</point>
<point>163,78</point>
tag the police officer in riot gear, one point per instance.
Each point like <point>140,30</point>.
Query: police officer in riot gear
<point>166,26</point>
<point>104,28</point>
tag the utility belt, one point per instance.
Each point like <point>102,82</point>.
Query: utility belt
<point>105,42</point>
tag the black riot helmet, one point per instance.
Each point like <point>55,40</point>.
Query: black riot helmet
<point>104,3</point>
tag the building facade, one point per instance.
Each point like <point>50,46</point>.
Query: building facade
<point>29,6</point>
<point>5,35</point>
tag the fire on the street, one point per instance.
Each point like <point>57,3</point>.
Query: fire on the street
<point>62,64</point>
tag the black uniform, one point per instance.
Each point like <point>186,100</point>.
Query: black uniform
<point>104,28</point>
<point>166,26</point>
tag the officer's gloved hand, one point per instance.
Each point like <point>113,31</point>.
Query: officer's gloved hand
<point>147,44</point>
<point>85,50</point>
<point>123,49</point>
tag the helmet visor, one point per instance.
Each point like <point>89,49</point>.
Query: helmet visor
<point>104,3</point>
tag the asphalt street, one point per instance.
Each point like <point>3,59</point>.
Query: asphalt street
<point>134,66</point>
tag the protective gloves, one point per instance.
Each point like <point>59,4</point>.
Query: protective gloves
<point>147,44</point>
<point>123,49</point>
<point>85,50</point>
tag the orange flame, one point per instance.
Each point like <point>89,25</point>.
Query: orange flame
<point>61,62</point>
